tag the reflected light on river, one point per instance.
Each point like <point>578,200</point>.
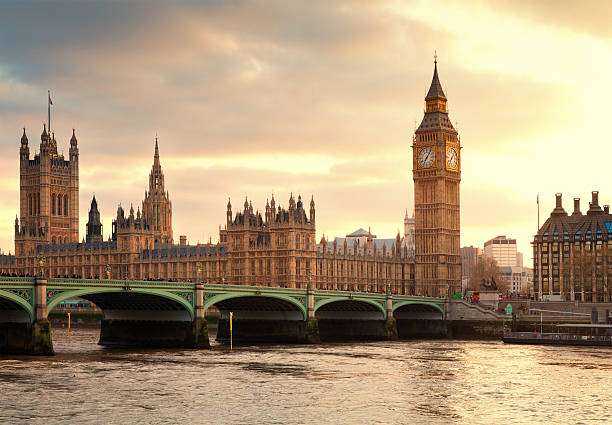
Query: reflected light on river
<point>403,382</point>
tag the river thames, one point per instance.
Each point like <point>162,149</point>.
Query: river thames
<point>404,382</point>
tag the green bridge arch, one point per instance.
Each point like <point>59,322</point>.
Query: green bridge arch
<point>379,306</point>
<point>62,296</point>
<point>216,298</point>
<point>430,304</point>
<point>19,301</point>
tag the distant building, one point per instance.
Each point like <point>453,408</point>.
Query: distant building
<point>519,279</point>
<point>502,250</point>
<point>572,254</point>
<point>408,239</point>
<point>469,256</point>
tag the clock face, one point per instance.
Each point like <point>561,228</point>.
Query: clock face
<point>426,157</point>
<point>451,158</point>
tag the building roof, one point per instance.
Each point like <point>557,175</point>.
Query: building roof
<point>596,224</point>
<point>359,233</point>
<point>435,90</point>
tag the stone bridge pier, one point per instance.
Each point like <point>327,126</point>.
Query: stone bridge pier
<point>22,332</point>
<point>141,314</point>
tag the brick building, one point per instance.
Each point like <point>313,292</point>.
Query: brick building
<point>573,254</point>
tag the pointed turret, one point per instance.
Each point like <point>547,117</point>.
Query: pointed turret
<point>157,207</point>
<point>312,210</point>
<point>44,135</point>
<point>435,90</point>
<point>156,155</point>
<point>94,225</point>
<point>73,139</point>
<point>24,139</point>
<point>436,111</point>
<point>24,151</point>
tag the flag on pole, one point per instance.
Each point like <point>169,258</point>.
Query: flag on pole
<point>50,101</point>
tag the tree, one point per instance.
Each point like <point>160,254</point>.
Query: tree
<point>486,269</point>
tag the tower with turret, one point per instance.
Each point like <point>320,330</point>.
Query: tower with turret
<point>436,174</point>
<point>48,195</point>
<point>156,207</point>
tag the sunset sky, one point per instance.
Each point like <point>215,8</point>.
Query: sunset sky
<point>312,97</point>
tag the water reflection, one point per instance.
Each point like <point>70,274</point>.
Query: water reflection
<point>460,382</point>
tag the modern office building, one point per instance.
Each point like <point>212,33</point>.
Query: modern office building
<point>502,250</point>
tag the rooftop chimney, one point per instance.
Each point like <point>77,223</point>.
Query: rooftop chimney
<point>606,209</point>
<point>576,205</point>
<point>183,240</point>
<point>559,206</point>
<point>594,208</point>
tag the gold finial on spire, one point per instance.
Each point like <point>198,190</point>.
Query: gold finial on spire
<point>435,56</point>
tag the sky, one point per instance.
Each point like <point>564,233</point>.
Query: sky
<point>318,98</point>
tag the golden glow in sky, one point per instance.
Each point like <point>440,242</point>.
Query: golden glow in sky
<point>318,98</point>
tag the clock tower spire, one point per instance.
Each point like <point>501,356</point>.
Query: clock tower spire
<point>436,173</point>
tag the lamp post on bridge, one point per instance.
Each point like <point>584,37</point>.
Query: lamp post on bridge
<point>107,271</point>
<point>198,271</point>
<point>41,263</point>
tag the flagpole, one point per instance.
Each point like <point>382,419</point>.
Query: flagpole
<point>49,110</point>
<point>538,212</point>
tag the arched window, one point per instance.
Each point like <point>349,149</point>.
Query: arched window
<point>59,204</point>
<point>53,205</point>
<point>29,204</point>
<point>53,240</point>
<point>66,205</point>
<point>297,241</point>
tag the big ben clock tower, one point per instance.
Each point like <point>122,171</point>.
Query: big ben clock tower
<point>436,171</point>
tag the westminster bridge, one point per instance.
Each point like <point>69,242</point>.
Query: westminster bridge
<point>172,314</point>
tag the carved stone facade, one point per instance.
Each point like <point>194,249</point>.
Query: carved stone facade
<point>49,195</point>
<point>276,247</point>
<point>436,175</point>
<point>156,207</point>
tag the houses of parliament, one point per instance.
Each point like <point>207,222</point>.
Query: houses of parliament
<point>275,247</point>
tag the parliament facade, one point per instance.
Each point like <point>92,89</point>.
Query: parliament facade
<point>274,247</point>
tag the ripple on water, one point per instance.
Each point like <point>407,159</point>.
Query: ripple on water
<point>431,382</point>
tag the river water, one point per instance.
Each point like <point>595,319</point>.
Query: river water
<point>405,382</point>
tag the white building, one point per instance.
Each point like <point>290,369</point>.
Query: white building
<point>519,279</point>
<point>503,251</point>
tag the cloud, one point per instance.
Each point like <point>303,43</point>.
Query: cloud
<point>254,98</point>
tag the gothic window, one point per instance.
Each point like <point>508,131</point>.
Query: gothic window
<point>53,240</point>
<point>29,204</point>
<point>307,245</point>
<point>297,267</point>
<point>53,204</point>
<point>297,241</point>
<point>66,205</point>
<point>59,204</point>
